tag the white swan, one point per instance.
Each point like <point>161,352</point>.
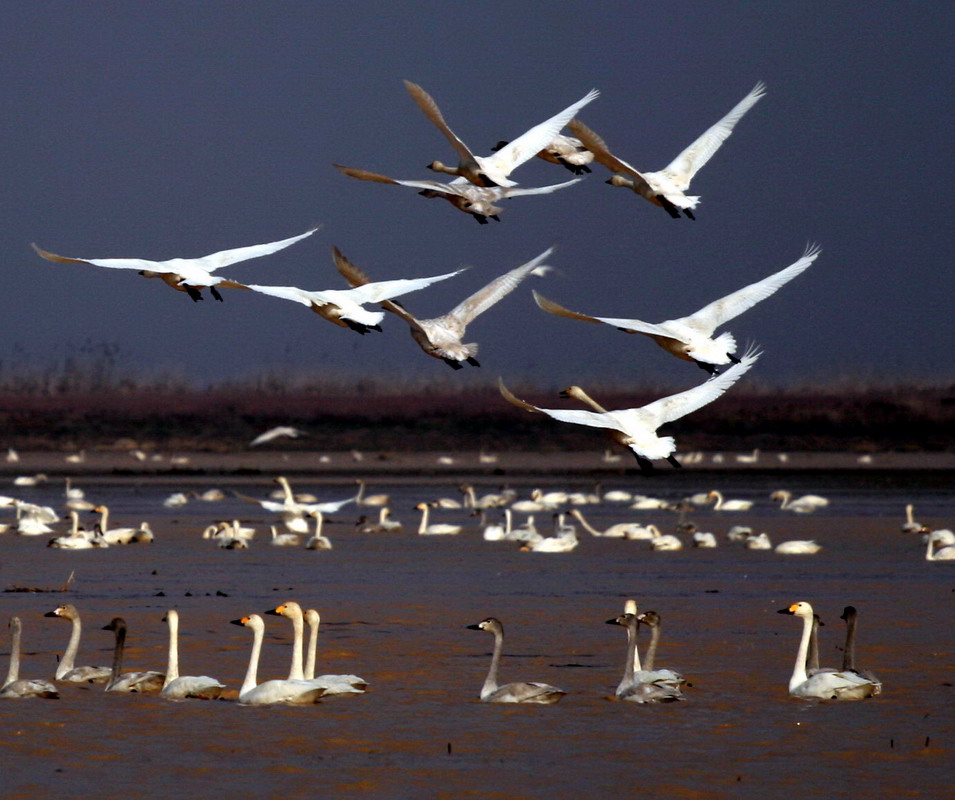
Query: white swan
<point>806,504</point>
<point>181,687</point>
<point>332,684</point>
<point>273,692</point>
<point>728,505</point>
<point>621,530</point>
<point>437,528</point>
<point>495,532</point>
<point>667,187</point>
<point>946,553</point>
<point>478,201</point>
<point>652,620</point>
<point>911,525</point>
<point>666,542</point>
<point>283,539</point>
<point>704,539</point>
<point>16,687</point>
<point>441,337</point>
<point>691,338</point>
<point>66,670</point>
<point>850,615</point>
<point>146,682</point>
<point>362,499</point>
<point>77,538</point>
<point>275,433</point>
<point>187,274</point>
<point>317,541</point>
<point>564,539</point>
<point>345,307</point>
<point>494,170</point>
<point>640,685</point>
<point>639,425</point>
<point>758,541</point>
<point>798,547</point>
<point>113,535</point>
<point>518,692</point>
<point>643,503</point>
<point>822,685</point>
<point>567,151</point>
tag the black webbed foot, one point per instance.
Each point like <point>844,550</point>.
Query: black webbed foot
<point>646,466</point>
<point>215,293</point>
<point>672,459</point>
<point>194,293</point>
<point>688,213</point>
<point>495,217</point>
<point>472,361</point>
<point>482,220</point>
<point>671,209</point>
<point>358,327</point>
<point>732,358</point>
<point>712,370</point>
<point>452,363</point>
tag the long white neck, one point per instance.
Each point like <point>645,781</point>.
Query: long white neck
<point>251,673</point>
<point>633,658</point>
<point>289,498</point>
<point>313,623</point>
<point>172,663</point>
<point>586,525</point>
<point>424,519</point>
<point>490,682</point>
<point>13,671</point>
<point>719,500</point>
<point>508,521</point>
<point>930,549</point>
<point>296,673</point>
<point>69,656</point>
<point>799,670</point>
<point>104,519</point>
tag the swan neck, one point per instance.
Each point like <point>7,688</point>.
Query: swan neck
<point>490,682</point>
<point>849,653</point>
<point>296,673</point>
<point>586,525</point>
<point>424,520</point>
<point>812,655</point>
<point>312,647</point>
<point>799,670</point>
<point>651,655</point>
<point>118,654</point>
<point>13,670</point>
<point>251,673</point>
<point>172,663</point>
<point>72,647</point>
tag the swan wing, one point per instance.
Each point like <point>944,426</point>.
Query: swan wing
<point>627,325</point>
<point>682,169</point>
<point>501,286</point>
<point>285,292</point>
<point>679,405</point>
<point>726,308</point>
<point>517,191</point>
<point>224,258</point>
<point>364,174</point>
<point>593,142</point>
<point>593,419</point>
<point>110,263</point>
<point>530,143</point>
<point>430,108</point>
<point>385,290</point>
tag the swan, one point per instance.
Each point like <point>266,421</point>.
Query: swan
<point>148,682</point>
<point>567,151</point>
<point>497,532</point>
<point>275,433</point>
<point>850,614</point>
<point>441,337</point>
<point>822,685</point>
<point>643,503</point>
<point>519,692</point>
<point>181,687</point>
<point>652,620</point>
<point>187,274</point>
<point>345,307</point>
<point>72,492</point>
<point>494,170</point>
<point>666,188</point>
<point>563,541</point>
<point>283,539</point>
<point>176,500</point>
<point>362,499</point>
<point>317,541</point>
<point>738,533</point>
<point>331,684</point>
<point>114,535</point>
<point>490,500</point>
<point>478,201</point>
<point>666,541</point>
<point>535,503</point>
<point>639,425</point>
<point>618,496</point>
<point>691,338</point>
<point>66,669</point>
<point>942,537</point>
<point>704,539</point>
<point>290,692</point>
<point>758,541</point>
<point>640,685</point>
<point>77,538</point>
<point>728,505</point>
<point>806,504</point>
<point>621,530</point>
<point>437,528</point>
<point>910,525</point>
<point>798,547</point>
<point>946,553</point>
<point>385,523</point>
<point>33,520</point>
<point>16,687</point>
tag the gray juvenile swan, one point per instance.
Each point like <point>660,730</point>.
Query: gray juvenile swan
<point>520,692</point>
<point>849,614</point>
<point>181,687</point>
<point>147,682</point>
<point>15,687</point>
<point>640,685</point>
<point>66,669</point>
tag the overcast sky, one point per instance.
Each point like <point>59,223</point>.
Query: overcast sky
<point>181,128</point>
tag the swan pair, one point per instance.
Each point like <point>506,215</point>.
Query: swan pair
<point>517,692</point>
<point>823,685</point>
<point>667,187</point>
<point>644,684</point>
<point>636,428</point>
<point>691,338</point>
<point>441,337</point>
<point>187,275</point>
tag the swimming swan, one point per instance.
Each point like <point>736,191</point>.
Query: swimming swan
<point>640,685</point>
<point>147,682</point>
<point>478,201</point>
<point>493,170</point>
<point>798,547</point>
<point>691,338</point>
<point>720,504</point>
<point>16,687</point>
<point>639,425</point>
<point>822,685</point>
<point>338,685</point>
<point>437,528</point>
<point>441,337</point>
<point>519,692</point>
<point>344,307</point>
<point>187,274</point>
<point>288,692</point>
<point>666,188</point>
<point>946,553</point>
<point>181,687</point>
<point>806,504</point>
<point>317,541</point>
<point>66,669</point>
<point>850,614</point>
<point>622,530</point>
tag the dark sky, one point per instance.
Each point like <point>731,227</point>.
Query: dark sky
<point>177,129</point>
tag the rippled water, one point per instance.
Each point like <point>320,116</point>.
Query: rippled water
<point>395,610</point>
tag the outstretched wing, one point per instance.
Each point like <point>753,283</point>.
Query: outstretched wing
<point>426,103</point>
<point>593,419</point>
<point>517,191</point>
<point>628,325</point>
<point>726,308</point>
<point>483,299</point>
<point>111,263</point>
<point>224,258</point>
<point>384,290</point>
<point>682,169</point>
<point>592,141</point>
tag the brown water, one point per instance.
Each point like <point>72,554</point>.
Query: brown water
<point>395,610</point>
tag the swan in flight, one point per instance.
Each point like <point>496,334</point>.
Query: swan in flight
<point>806,504</point>
<point>290,692</point>
<point>640,685</point>
<point>16,687</point>
<point>843,685</point>
<point>147,682</point>
<point>639,425</point>
<point>691,338</point>
<point>181,687</point>
<point>518,692</point>
<point>494,170</point>
<point>667,187</point>
<point>66,669</point>
<point>275,433</point>
<point>441,337</point>
<point>478,201</point>
<point>567,151</point>
<point>344,307</point>
<point>187,274</point>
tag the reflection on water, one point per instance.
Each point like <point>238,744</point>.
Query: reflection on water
<point>394,610</point>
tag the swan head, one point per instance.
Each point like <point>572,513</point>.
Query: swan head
<point>626,620</point>
<point>491,624</point>
<point>649,618</point>
<point>287,609</point>
<point>253,621</point>
<point>67,611</point>
<point>800,609</point>
<point>620,180</point>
